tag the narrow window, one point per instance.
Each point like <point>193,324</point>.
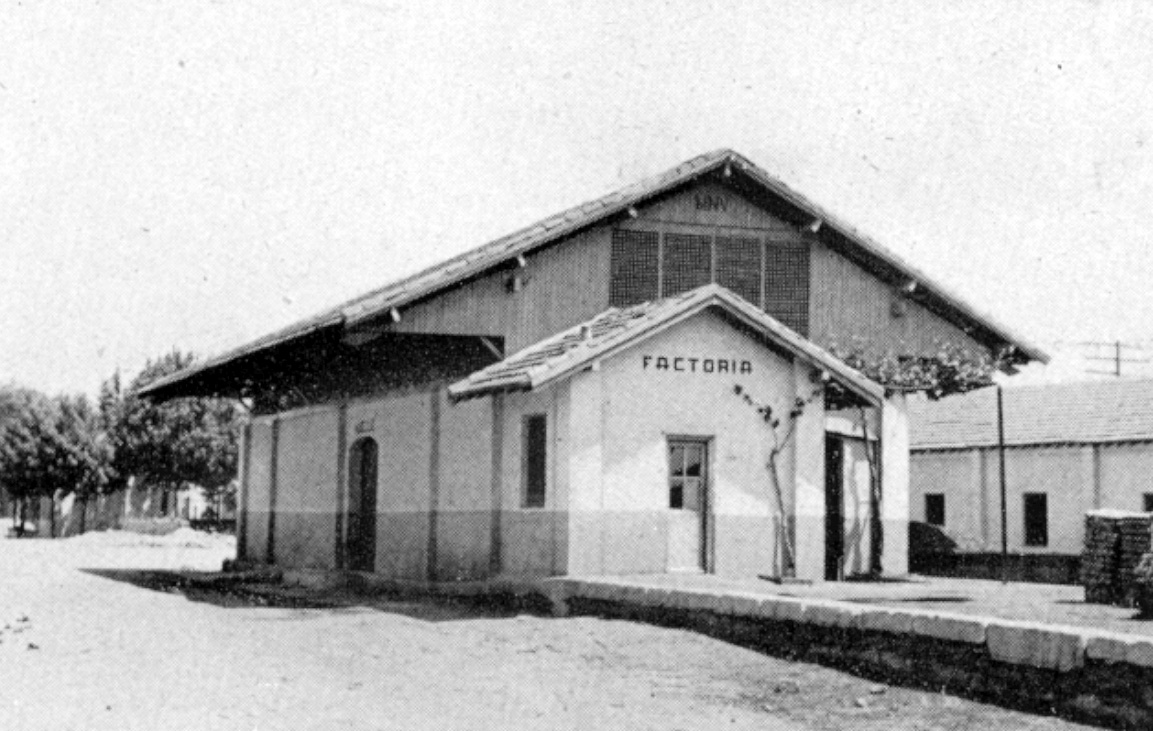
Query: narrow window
<point>935,509</point>
<point>535,460</point>
<point>634,262</point>
<point>1147,502</point>
<point>1036,519</point>
<point>688,262</point>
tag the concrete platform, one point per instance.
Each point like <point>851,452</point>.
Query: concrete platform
<point>1041,645</point>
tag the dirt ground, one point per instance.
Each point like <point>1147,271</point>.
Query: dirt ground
<point>97,633</point>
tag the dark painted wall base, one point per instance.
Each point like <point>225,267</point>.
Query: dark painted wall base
<point>1033,568</point>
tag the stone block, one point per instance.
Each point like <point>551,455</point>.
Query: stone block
<point>951,627</point>
<point>831,614</point>
<point>1119,648</point>
<point>1037,645</point>
<point>886,620</point>
<point>782,609</point>
<point>743,604</point>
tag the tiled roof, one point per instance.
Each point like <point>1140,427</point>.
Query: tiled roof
<point>459,268</point>
<point>1118,410</point>
<point>615,329</point>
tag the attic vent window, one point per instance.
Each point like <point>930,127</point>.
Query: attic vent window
<point>771,274</point>
<point>635,265</point>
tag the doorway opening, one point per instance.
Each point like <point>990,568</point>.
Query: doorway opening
<point>834,509</point>
<point>361,540</point>
<point>688,505</point>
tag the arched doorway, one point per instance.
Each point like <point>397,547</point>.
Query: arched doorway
<point>362,505</point>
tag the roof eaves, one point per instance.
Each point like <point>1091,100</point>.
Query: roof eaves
<point>535,236</point>
<point>278,337</point>
<point>892,259</point>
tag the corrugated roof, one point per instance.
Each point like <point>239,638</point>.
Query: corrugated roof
<point>472,263</point>
<point>1119,410</point>
<point>606,334</point>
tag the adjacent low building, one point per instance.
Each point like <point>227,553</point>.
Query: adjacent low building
<point>1070,448</point>
<point>638,384</point>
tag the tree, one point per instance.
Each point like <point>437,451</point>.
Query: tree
<point>782,430</point>
<point>49,445</point>
<point>85,454</point>
<point>951,370</point>
<point>173,444</point>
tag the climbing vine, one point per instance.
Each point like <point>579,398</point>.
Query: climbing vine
<point>951,370</point>
<point>782,430</point>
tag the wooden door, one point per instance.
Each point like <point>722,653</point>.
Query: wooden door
<point>834,509</point>
<point>688,505</point>
<point>362,505</point>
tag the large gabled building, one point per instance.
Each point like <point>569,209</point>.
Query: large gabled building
<point>580,397</point>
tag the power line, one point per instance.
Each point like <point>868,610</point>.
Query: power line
<point>1117,357</point>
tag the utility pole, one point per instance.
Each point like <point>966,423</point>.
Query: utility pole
<point>1004,495</point>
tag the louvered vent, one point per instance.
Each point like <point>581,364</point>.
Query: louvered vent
<point>635,259</point>
<point>787,285</point>
<point>739,266</point>
<point>688,262</point>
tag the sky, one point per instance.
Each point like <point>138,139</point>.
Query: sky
<point>195,174</point>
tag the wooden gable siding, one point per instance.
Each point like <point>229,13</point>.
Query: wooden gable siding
<point>569,283</point>
<point>712,204</point>
<point>561,286</point>
<point>847,302</point>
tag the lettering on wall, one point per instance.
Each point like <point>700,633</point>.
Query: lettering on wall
<point>695,364</point>
<point>365,425</point>
<point>706,202</point>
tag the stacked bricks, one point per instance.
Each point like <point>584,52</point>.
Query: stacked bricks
<point>1115,541</point>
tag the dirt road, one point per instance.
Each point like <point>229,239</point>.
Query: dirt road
<point>87,643</point>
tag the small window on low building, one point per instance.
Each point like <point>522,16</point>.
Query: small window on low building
<point>1036,519</point>
<point>535,438</point>
<point>935,509</point>
<point>1147,502</point>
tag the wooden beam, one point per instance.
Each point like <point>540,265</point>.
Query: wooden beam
<point>492,348</point>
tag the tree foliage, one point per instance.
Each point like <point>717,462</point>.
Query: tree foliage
<point>952,369</point>
<point>170,444</point>
<point>49,444</point>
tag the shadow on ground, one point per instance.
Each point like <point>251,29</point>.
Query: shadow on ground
<point>222,590</point>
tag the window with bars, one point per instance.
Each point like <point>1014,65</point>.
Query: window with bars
<point>535,438</point>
